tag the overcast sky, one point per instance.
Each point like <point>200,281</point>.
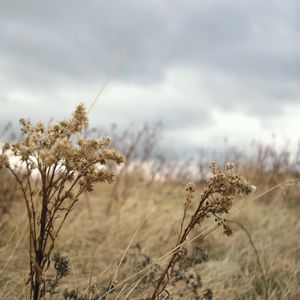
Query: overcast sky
<point>208,69</point>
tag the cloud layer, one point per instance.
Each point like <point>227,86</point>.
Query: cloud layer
<point>187,60</point>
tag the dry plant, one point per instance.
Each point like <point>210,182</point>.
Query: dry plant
<point>221,190</point>
<point>263,275</point>
<point>271,162</point>
<point>139,146</point>
<point>56,165</point>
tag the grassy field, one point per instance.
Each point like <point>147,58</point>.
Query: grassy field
<point>77,226</point>
<point>144,226</point>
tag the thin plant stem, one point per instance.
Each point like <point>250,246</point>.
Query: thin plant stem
<point>256,254</point>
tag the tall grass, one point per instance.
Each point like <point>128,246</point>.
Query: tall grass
<point>100,253</point>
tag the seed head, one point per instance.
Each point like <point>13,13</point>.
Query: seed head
<point>190,189</point>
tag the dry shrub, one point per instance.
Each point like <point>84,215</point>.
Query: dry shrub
<point>56,165</point>
<point>221,190</point>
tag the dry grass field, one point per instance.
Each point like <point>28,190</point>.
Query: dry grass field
<point>118,240</point>
<point>148,223</point>
<point>177,177</point>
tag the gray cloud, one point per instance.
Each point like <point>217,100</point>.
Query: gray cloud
<point>51,40</point>
<point>246,53</point>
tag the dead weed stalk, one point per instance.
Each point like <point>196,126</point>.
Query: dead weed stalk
<point>222,189</point>
<point>55,166</point>
<point>256,254</point>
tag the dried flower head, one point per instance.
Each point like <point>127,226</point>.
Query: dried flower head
<point>222,189</point>
<point>190,189</point>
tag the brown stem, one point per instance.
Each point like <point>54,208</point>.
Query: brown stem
<point>256,254</point>
<point>41,240</point>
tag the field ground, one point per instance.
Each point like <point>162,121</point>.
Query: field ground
<point>148,220</point>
